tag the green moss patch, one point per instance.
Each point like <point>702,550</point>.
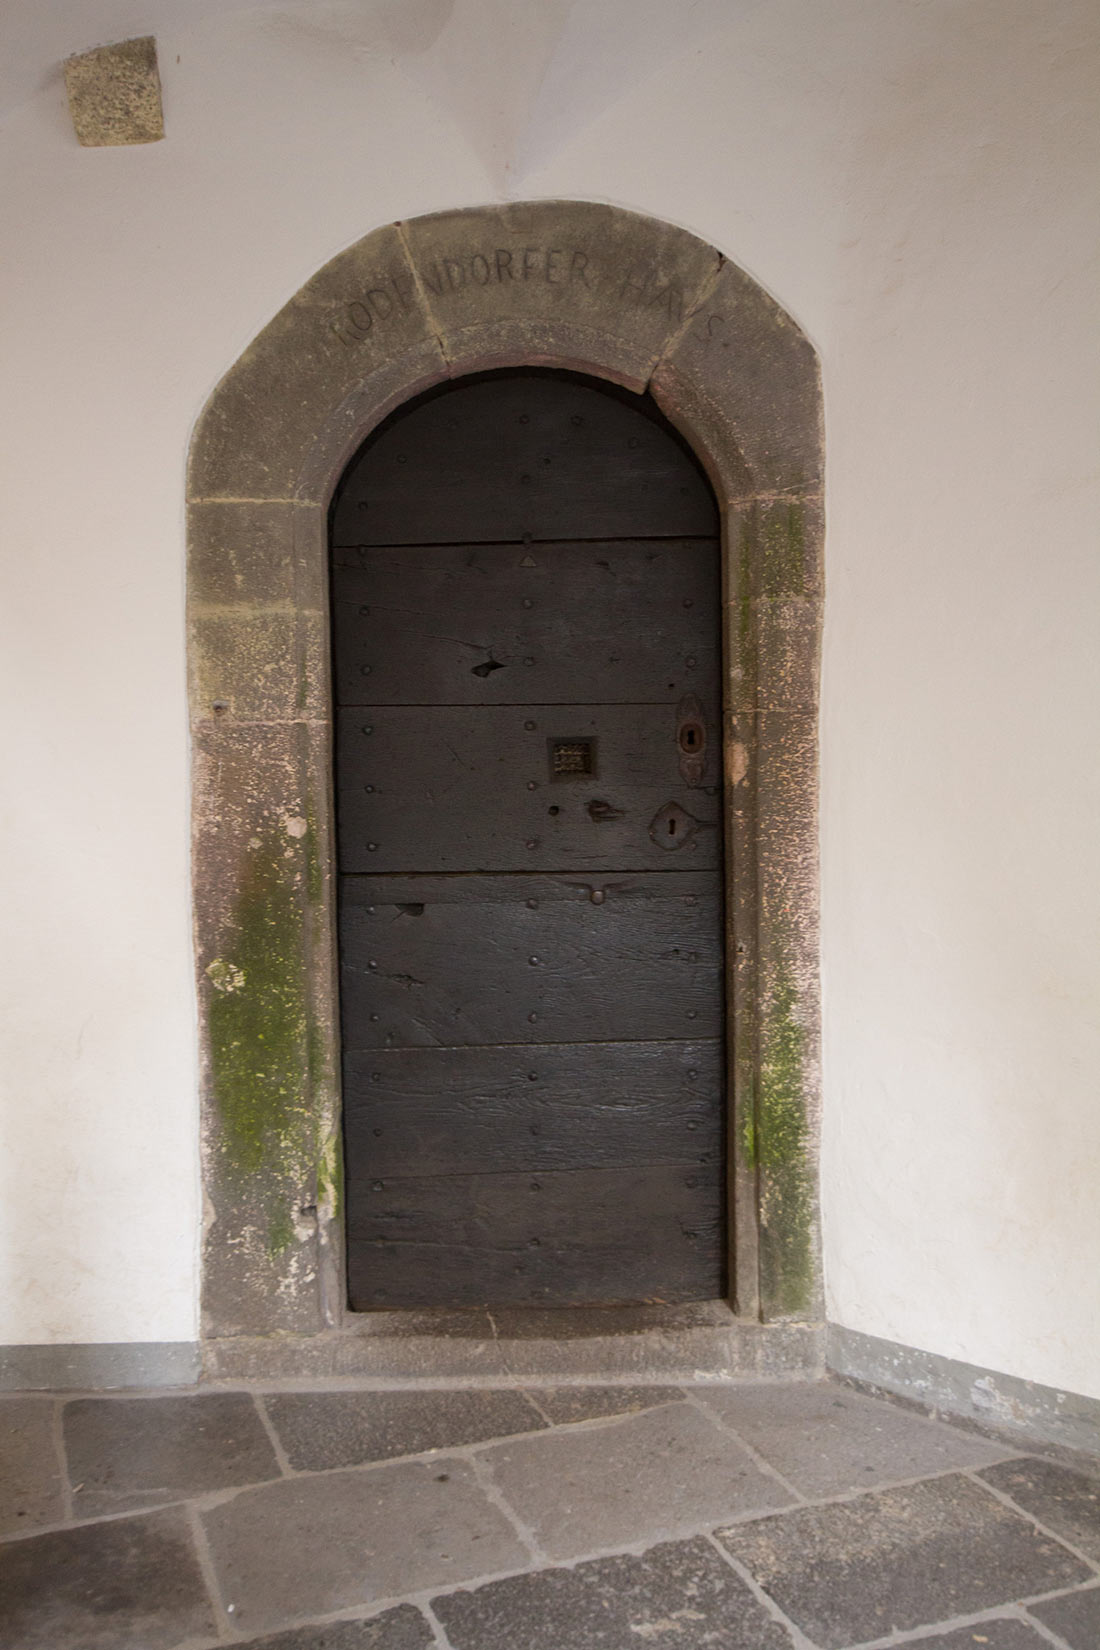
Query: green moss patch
<point>783,550</point>
<point>779,1144</point>
<point>259,1030</point>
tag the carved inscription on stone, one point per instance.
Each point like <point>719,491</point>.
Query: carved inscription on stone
<point>393,295</point>
<point>510,268</point>
<point>556,265</point>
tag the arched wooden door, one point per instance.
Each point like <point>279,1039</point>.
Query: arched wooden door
<point>527,658</point>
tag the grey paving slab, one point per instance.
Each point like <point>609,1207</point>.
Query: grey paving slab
<point>343,1429</point>
<point>133,1452</point>
<point>896,1559</point>
<point>124,1584</point>
<point>827,1440</point>
<point>590,1403</point>
<point>1066,1502</point>
<point>311,1546</point>
<point>680,1595</point>
<point>401,1629</point>
<point>30,1476</point>
<point>1076,1618</point>
<point>1003,1634</point>
<point>666,1472</point>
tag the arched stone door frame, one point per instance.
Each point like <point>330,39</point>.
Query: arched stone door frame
<point>550,283</point>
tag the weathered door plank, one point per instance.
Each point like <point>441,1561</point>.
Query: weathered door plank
<point>440,789</point>
<point>507,624</point>
<point>541,1107</point>
<point>518,967</point>
<point>592,1236</point>
<point>544,458</point>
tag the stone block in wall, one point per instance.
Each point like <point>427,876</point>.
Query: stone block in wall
<point>744,377</point>
<point>356,337</point>
<point>258,663</point>
<point>566,282</point>
<point>114,94</point>
<point>240,552</point>
<point>773,591</point>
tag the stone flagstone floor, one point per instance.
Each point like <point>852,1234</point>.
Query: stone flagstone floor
<point>763,1517</point>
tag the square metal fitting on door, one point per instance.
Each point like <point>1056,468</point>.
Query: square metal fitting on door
<point>572,758</point>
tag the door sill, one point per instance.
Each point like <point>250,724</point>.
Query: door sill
<point>640,1345</point>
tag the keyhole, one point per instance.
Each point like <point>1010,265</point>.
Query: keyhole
<point>689,737</point>
<point>672,827</point>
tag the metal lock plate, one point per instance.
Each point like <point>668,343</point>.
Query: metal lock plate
<point>673,827</point>
<point>691,739</point>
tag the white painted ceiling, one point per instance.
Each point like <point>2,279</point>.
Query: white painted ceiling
<point>518,77</point>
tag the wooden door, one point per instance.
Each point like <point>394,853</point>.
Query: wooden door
<point>527,662</point>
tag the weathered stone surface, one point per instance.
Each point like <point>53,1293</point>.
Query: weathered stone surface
<point>773,585</point>
<point>251,803</point>
<point>312,1546</point>
<point>258,663</point>
<point>126,1453</point>
<point>788,646</point>
<point>742,379</point>
<point>668,1469</point>
<point>1035,1412</point>
<point>81,1366</point>
<point>319,1430</point>
<point>261,914</point>
<point>781,1143</point>
<point>240,552</point>
<point>569,283</point>
<point>1004,1633</point>
<point>401,1629</point>
<point>562,1404</point>
<point>124,1584</point>
<point>775,549</point>
<point>773,619</point>
<point>826,1440</point>
<point>898,1559</point>
<point>441,1347</point>
<point>354,342</point>
<point>30,1477</point>
<point>1066,1502</point>
<point>679,1594</point>
<point>1076,1618</point>
<point>114,94</point>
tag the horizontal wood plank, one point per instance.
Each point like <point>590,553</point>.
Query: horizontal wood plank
<point>529,455</point>
<point>450,789</point>
<point>438,1111</point>
<point>502,960</point>
<point>592,1237</point>
<point>503,624</point>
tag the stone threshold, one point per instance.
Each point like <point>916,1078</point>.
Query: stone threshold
<point>639,1345</point>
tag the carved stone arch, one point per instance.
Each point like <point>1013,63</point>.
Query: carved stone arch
<point>554,283</point>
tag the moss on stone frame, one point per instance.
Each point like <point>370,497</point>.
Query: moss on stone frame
<point>315,882</point>
<point>330,1175</point>
<point>746,557</point>
<point>783,550</point>
<point>779,1141</point>
<point>259,1022</point>
<point>280,1231</point>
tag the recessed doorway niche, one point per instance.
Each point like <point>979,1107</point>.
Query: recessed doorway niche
<point>574,286</point>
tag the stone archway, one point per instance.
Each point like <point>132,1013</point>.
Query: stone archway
<point>554,283</point>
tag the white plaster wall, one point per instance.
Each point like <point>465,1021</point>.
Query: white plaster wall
<point>917,181</point>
